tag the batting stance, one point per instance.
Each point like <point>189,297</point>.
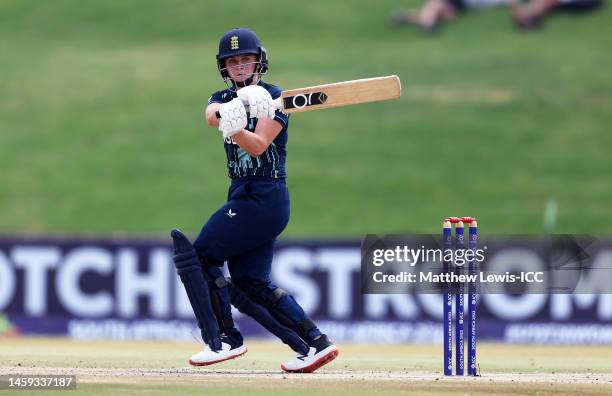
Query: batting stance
<point>243,231</point>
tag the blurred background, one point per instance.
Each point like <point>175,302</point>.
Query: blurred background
<point>102,132</point>
<point>103,149</point>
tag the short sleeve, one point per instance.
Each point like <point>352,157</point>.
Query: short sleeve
<point>215,98</point>
<point>281,117</point>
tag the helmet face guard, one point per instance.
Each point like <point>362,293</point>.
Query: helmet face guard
<point>241,41</point>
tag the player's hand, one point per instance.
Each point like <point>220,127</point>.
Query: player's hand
<point>233,117</point>
<point>259,100</point>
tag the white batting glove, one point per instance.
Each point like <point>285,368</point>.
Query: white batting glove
<point>259,100</point>
<point>233,117</point>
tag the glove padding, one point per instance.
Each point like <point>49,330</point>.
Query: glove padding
<point>233,117</point>
<point>259,100</point>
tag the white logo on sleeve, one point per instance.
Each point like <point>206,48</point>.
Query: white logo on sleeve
<point>229,140</point>
<point>230,214</point>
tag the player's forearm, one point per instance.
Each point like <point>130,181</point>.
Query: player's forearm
<point>251,142</point>
<point>210,114</point>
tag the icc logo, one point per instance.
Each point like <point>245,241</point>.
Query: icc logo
<point>234,42</point>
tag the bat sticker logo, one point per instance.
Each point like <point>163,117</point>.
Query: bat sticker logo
<point>300,101</point>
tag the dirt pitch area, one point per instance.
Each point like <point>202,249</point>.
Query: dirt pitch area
<point>111,367</point>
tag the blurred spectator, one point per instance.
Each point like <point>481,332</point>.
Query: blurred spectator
<point>529,15</point>
<point>434,13</point>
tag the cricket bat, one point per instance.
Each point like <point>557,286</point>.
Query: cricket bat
<point>339,94</point>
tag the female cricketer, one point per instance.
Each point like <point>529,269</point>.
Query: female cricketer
<point>243,231</point>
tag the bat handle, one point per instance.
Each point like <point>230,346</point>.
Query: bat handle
<point>278,104</point>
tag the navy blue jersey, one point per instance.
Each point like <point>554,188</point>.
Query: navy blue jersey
<point>271,163</point>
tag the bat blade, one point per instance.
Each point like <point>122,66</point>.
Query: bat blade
<point>339,94</point>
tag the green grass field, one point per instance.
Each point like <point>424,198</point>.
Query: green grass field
<point>160,368</point>
<point>101,128</point>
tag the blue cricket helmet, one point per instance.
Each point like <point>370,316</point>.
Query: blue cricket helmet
<point>241,41</point>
